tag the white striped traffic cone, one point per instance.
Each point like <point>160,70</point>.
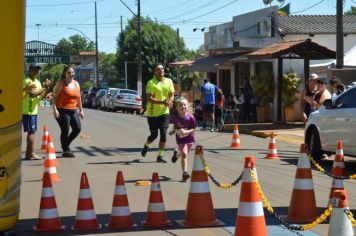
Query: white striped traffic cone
<point>156,215</point>
<point>51,158</point>
<point>120,214</point>
<point>44,138</point>
<point>235,140</point>
<point>272,148</point>
<point>200,210</point>
<point>48,219</point>
<point>338,170</point>
<point>340,224</point>
<point>50,163</point>
<point>250,216</point>
<point>302,207</point>
<point>85,218</point>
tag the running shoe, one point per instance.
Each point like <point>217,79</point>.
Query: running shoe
<point>174,157</point>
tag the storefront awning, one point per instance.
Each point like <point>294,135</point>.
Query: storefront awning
<point>209,64</point>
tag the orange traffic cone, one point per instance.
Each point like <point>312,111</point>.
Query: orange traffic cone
<point>48,219</point>
<point>50,163</point>
<point>235,142</point>
<point>338,170</point>
<point>120,213</point>
<point>340,224</point>
<point>272,148</point>
<point>250,216</point>
<point>200,210</point>
<point>50,159</point>
<point>302,206</point>
<point>85,218</point>
<point>44,138</point>
<point>156,214</point>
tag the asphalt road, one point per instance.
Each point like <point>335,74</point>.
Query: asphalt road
<point>112,141</point>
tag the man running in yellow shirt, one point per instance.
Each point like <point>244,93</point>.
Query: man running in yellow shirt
<point>159,92</point>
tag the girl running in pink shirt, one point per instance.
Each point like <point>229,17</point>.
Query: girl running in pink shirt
<point>184,125</point>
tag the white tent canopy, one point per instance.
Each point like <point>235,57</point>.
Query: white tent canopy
<point>349,59</point>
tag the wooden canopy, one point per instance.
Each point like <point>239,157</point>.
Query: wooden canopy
<point>293,49</point>
<point>298,49</point>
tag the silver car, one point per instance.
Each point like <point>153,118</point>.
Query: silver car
<point>335,120</point>
<point>110,92</point>
<point>127,100</point>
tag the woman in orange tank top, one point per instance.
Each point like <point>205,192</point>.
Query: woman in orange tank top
<point>66,101</point>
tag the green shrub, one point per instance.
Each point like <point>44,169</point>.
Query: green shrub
<point>291,83</point>
<point>263,86</point>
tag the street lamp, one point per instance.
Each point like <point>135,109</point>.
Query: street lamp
<point>96,55</point>
<point>38,31</point>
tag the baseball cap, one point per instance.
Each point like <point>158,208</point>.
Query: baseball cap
<point>34,67</point>
<point>313,76</point>
<point>323,80</point>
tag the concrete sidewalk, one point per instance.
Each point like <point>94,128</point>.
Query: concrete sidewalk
<point>292,132</point>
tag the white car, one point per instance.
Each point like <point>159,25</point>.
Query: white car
<point>335,120</point>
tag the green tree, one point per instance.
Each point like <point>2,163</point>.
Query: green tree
<point>51,71</point>
<point>108,69</point>
<point>76,42</point>
<point>159,43</point>
<point>352,11</point>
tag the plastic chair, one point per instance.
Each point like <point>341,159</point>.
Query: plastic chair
<point>228,115</point>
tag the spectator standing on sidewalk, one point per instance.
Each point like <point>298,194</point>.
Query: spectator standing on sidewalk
<point>32,94</point>
<point>248,95</point>
<point>219,106</point>
<point>307,96</point>
<point>159,92</point>
<point>66,101</point>
<point>321,95</point>
<point>184,124</point>
<point>208,95</point>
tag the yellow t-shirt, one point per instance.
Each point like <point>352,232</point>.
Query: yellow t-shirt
<point>161,91</point>
<point>30,105</point>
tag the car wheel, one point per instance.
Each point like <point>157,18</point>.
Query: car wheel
<point>313,141</point>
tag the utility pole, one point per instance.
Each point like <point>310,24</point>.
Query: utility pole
<point>96,51</point>
<point>178,57</point>
<point>125,74</point>
<point>121,24</point>
<point>139,61</point>
<point>339,35</point>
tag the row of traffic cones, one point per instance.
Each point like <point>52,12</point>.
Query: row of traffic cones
<point>250,220</point>
<point>200,209</point>
<point>272,146</point>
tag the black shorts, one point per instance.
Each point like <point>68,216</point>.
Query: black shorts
<point>209,108</point>
<point>158,122</point>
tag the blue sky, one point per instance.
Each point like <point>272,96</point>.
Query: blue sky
<point>54,17</point>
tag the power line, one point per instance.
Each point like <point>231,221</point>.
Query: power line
<point>305,9</point>
<point>213,11</point>
<point>64,4</point>
<point>191,10</point>
<point>127,7</point>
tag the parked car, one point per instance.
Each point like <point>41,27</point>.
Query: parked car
<point>335,120</point>
<point>90,97</point>
<point>126,100</point>
<point>96,100</point>
<point>83,94</point>
<point>107,96</point>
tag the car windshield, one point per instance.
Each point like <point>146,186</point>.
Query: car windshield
<point>112,91</point>
<point>126,91</point>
